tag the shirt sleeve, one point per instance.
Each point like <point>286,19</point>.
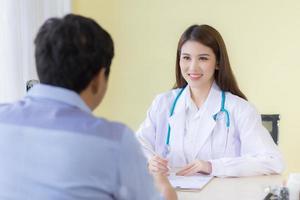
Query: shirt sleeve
<point>147,130</point>
<point>258,154</point>
<point>135,182</point>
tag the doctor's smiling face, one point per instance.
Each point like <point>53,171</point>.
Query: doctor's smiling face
<point>201,58</point>
<point>197,64</point>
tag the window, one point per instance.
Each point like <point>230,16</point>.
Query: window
<point>19,22</point>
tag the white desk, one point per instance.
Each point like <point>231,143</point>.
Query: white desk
<point>248,188</point>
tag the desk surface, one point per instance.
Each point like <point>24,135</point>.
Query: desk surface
<point>246,188</point>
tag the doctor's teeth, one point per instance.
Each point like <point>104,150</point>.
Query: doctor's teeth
<point>195,76</point>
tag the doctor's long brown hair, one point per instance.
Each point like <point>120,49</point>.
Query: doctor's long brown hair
<point>210,37</point>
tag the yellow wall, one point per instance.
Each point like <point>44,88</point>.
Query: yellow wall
<point>262,37</point>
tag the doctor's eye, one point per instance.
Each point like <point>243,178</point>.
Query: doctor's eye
<point>185,58</point>
<point>203,58</point>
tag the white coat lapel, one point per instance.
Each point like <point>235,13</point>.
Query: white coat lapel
<point>177,125</point>
<point>212,105</point>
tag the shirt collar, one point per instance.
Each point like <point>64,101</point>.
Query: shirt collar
<point>58,94</point>
<point>190,104</point>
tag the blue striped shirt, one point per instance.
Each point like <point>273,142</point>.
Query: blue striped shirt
<point>52,147</point>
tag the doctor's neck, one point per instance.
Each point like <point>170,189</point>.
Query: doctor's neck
<point>199,94</point>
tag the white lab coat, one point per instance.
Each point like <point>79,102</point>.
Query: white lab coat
<point>250,149</point>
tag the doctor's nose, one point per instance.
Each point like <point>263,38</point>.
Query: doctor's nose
<point>194,64</point>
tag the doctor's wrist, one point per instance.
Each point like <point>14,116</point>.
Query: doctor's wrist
<point>208,167</point>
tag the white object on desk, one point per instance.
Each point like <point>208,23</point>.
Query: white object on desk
<point>245,188</point>
<point>294,186</point>
<point>189,182</point>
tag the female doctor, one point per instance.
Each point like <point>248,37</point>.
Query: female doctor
<point>205,124</point>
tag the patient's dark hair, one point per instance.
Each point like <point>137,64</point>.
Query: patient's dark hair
<point>71,51</point>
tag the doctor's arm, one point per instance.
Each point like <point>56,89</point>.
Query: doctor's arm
<point>259,155</point>
<point>140,185</point>
<point>146,136</point>
<point>197,166</point>
<point>147,130</point>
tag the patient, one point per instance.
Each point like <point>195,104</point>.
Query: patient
<point>51,145</point>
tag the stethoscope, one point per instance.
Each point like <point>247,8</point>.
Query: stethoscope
<point>215,117</point>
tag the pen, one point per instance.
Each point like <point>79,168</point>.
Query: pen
<point>148,147</point>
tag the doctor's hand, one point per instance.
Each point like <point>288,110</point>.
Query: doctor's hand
<point>197,166</point>
<point>158,165</point>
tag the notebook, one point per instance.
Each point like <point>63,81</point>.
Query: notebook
<point>196,182</point>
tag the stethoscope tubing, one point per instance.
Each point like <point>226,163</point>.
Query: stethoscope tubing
<point>222,109</point>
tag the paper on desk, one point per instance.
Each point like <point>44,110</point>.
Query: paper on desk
<point>189,182</point>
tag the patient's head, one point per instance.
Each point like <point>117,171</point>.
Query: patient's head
<point>73,52</point>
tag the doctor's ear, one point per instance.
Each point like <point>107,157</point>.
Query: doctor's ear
<point>217,67</point>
